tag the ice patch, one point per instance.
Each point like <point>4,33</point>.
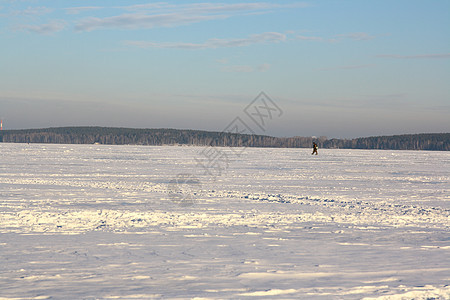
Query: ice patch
<point>274,292</point>
<point>418,293</point>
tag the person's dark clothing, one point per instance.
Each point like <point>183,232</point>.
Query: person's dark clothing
<point>314,149</point>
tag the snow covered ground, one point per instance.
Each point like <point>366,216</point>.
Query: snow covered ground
<point>141,222</point>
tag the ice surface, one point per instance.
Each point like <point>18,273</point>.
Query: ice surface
<point>116,222</point>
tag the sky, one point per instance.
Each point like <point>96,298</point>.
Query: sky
<point>339,69</point>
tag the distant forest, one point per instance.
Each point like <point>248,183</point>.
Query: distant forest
<point>125,136</point>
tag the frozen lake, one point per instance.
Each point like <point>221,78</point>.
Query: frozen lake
<point>141,222</point>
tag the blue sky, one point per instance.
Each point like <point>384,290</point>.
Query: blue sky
<point>335,68</point>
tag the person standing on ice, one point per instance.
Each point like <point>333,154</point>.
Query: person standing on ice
<point>314,149</point>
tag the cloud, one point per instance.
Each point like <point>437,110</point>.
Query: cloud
<point>357,36</point>
<point>267,37</point>
<point>82,9</point>
<point>263,68</point>
<point>168,15</point>
<point>241,7</point>
<point>212,7</point>
<point>33,11</point>
<point>238,69</point>
<point>147,6</point>
<point>154,15</point>
<point>140,21</point>
<point>309,38</point>
<point>420,56</point>
<point>387,96</point>
<point>222,61</point>
<point>246,68</point>
<point>48,28</point>
<point>349,67</point>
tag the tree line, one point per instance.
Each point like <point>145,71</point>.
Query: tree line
<point>124,136</point>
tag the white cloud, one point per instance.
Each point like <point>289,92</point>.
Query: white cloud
<point>309,38</point>
<point>241,7</point>
<point>48,28</point>
<point>349,67</point>
<point>82,9</point>
<point>212,7</point>
<point>152,15</point>
<point>420,56</point>
<point>263,68</point>
<point>267,37</point>
<point>222,61</point>
<point>357,36</point>
<point>169,15</point>
<point>140,21</point>
<point>238,69</point>
<point>148,6</point>
<point>33,11</point>
<point>246,68</point>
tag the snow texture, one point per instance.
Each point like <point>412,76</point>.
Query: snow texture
<point>141,222</point>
